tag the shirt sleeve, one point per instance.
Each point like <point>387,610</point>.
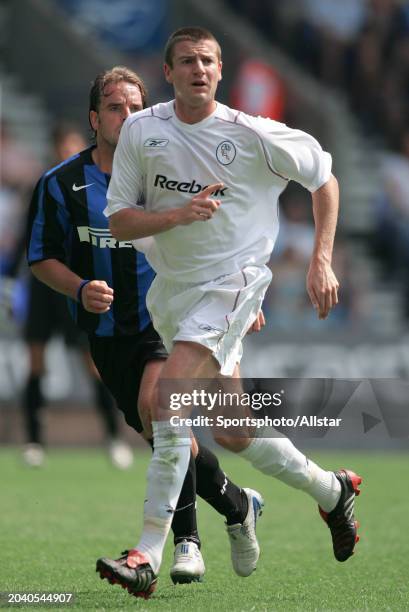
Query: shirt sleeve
<point>295,155</point>
<point>48,222</point>
<point>126,184</point>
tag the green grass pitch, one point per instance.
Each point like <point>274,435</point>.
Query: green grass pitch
<point>57,520</point>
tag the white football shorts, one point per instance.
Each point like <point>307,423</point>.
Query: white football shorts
<point>216,314</point>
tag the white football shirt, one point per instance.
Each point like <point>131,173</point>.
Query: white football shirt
<point>161,163</point>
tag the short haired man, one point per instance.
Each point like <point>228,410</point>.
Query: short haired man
<point>71,249</point>
<point>204,180</point>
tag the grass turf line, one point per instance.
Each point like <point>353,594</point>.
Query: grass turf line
<point>57,520</point>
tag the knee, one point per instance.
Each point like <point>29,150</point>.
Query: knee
<point>146,412</point>
<point>234,444</point>
<point>194,447</point>
<point>145,408</point>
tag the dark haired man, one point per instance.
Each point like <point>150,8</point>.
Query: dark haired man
<point>210,253</point>
<point>47,317</point>
<point>71,249</point>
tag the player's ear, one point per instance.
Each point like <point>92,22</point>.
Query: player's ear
<point>220,70</point>
<point>93,119</point>
<point>167,70</point>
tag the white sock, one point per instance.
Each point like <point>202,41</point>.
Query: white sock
<point>166,473</point>
<point>325,487</point>
<point>278,457</point>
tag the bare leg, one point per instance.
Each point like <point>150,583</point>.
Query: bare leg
<point>172,446</point>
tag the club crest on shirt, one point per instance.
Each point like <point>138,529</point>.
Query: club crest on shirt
<point>226,152</point>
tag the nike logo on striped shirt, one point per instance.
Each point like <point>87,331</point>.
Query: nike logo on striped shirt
<point>79,187</point>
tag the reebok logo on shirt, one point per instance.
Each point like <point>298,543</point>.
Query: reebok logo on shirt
<point>164,183</point>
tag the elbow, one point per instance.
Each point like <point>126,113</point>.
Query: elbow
<point>116,228</point>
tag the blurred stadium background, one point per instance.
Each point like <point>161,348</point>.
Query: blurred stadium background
<point>339,70</point>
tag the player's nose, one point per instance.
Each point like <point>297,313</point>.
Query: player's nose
<point>199,67</point>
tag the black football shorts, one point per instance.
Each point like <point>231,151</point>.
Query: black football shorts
<point>120,362</point>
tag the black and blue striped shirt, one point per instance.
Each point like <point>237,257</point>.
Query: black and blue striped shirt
<point>67,223</point>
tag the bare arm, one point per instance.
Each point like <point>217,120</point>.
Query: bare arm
<point>96,296</point>
<point>322,284</point>
<point>130,224</point>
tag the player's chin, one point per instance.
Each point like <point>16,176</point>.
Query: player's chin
<point>200,93</point>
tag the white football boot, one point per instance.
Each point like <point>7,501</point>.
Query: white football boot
<point>188,565</point>
<point>245,550</point>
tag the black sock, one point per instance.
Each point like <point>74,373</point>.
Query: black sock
<point>218,490</point>
<point>32,403</point>
<point>106,408</point>
<point>184,524</point>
